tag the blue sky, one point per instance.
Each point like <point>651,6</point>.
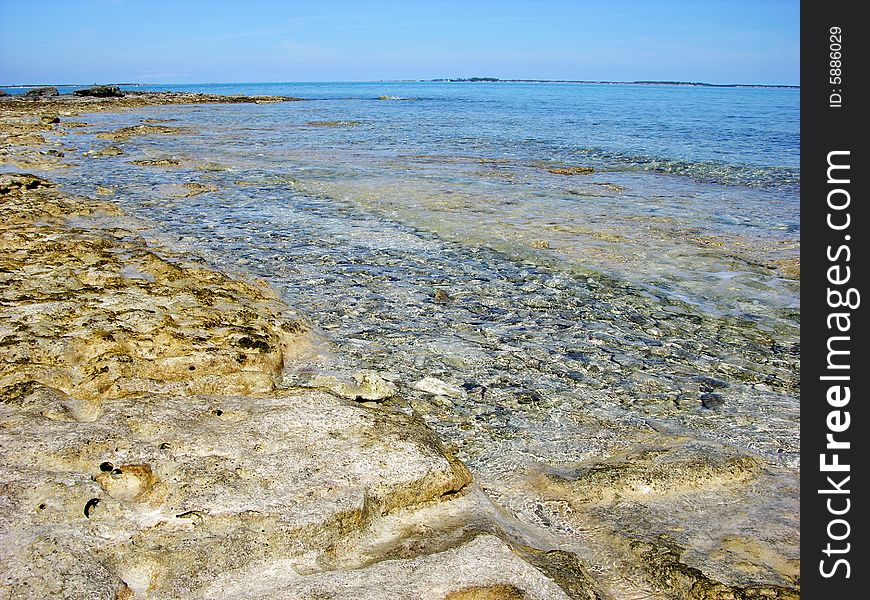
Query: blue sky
<point>191,41</point>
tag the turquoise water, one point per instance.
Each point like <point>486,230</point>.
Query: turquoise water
<point>730,135</point>
<point>426,235</point>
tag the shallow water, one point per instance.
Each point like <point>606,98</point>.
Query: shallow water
<point>583,315</point>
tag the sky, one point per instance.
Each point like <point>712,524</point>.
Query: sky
<point>211,41</point>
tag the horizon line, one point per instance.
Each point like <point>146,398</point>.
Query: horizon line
<point>675,83</point>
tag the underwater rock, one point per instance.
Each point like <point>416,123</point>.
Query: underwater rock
<point>156,162</point>
<point>195,188</point>
<point>367,385</point>
<point>657,472</point>
<point>109,151</point>
<point>572,170</point>
<point>663,561</point>
<point>436,387</point>
<point>125,133</point>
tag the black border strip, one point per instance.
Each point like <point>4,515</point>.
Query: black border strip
<point>834,228</point>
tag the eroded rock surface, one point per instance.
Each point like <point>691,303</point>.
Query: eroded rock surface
<point>191,488</point>
<point>95,313</point>
<point>483,569</point>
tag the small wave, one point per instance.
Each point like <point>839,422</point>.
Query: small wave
<point>707,171</point>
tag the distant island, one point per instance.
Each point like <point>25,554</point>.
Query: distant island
<point>644,82</point>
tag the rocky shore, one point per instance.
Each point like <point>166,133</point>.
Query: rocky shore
<point>151,446</point>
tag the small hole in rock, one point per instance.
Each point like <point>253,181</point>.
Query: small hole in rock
<point>90,506</point>
<point>106,467</point>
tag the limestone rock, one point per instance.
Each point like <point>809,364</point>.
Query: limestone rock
<point>572,170</point>
<point>366,385</point>
<point>194,188</point>
<point>42,92</point>
<point>109,151</point>
<point>166,161</point>
<point>663,561</point>
<point>101,91</point>
<point>97,314</point>
<point>192,488</point>
<point>483,569</point>
<point>17,182</point>
<point>125,133</point>
<point>656,472</point>
<point>436,387</point>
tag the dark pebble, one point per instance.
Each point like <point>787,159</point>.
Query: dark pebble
<point>712,401</point>
<point>529,397</point>
<point>708,384</point>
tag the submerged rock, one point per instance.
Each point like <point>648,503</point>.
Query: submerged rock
<point>194,188</point>
<point>109,151</point>
<point>156,162</point>
<point>436,387</point>
<point>366,385</point>
<point>658,472</point>
<point>663,561</point>
<point>125,133</point>
<point>572,170</point>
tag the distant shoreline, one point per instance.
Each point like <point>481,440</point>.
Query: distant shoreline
<point>593,82</point>
<point>442,80</point>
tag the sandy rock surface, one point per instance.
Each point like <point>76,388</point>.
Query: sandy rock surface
<point>95,313</point>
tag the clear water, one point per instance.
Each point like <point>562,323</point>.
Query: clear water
<point>583,313</point>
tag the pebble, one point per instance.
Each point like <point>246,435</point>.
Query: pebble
<point>712,401</point>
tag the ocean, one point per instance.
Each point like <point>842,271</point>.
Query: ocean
<point>599,268</point>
